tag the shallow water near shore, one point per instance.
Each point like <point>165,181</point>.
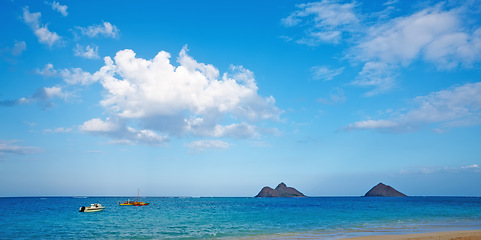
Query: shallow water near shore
<point>232,218</point>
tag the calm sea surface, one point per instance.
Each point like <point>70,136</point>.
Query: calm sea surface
<point>233,218</point>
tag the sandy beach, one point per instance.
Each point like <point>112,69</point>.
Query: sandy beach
<point>455,235</point>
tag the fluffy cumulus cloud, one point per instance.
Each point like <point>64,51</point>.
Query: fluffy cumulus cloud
<point>455,107</point>
<point>44,35</point>
<point>164,100</point>
<point>106,29</point>
<point>324,21</point>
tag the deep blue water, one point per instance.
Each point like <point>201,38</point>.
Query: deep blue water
<point>232,218</point>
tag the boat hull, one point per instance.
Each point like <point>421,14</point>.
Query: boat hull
<point>134,204</point>
<point>93,208</point>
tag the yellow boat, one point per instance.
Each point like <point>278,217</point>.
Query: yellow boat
<point>134,203</point>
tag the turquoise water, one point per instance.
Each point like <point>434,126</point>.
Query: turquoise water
<point>233,218</point>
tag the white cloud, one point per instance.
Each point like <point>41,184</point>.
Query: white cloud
<point>324,73</point>
<point>203,145</point>
<point>441,35</point>
<point>46,36</point>
<point>18,48</point>
<point>31,19</point>
<point>10,148</point>
<point>77,76</point>
<point>455,49</point>
<point>336,96</point>
<point>58,130</point>
<point>70,76</point>
<point>439,170</point>
<point>403,39</point>
<point>190,98</point>
<point>116,128</point>
<point>43,34</point>
<point>455,107</point>
<point>106,29</point>
<point>90,52</point>
<point>471,166</point>
<point>325,21</point>
<point>62,9</point>
<point>46,93</point>
<point>96,125</point>
<point>48,71</point>
<point>391,2</point>
<point>42,96</point>
<point>378,75</point>
<point>433,35</point>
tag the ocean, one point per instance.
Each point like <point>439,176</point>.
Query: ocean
<point>234,218</point>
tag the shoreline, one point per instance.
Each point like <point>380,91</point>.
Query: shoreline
<point>440,235</point>
<point>451,235</point>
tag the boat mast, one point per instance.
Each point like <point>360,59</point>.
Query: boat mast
<point>138,192</point>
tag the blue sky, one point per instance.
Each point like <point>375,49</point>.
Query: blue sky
<point>221,98</point>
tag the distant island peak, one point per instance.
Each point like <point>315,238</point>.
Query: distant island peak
<point>282,190</point>
<point>383,190</point>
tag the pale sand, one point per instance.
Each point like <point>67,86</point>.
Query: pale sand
<point>456,235</point>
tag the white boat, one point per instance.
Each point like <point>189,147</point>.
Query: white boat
<point>94,207</point>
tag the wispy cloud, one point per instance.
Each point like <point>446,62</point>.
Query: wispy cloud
<point>200,146</point>
<point>116,128</point>
<point>336,96</point>
<point>11,148</point>
<point>324,21</point>
<point>48,71</point>
<point>62,9</point>
<point>58,130</point>
<point>106,30</point>
<point>457,106</point>
<point>90,52</point>
<point>324,73</point>
<point>433,35</point>
<point>41,31</point>
<point>71,76</point>
<point>19,48</point>
<point>377,75</point>
<point>441,35</point>
<point>439,170</point>
<point>42,96</point>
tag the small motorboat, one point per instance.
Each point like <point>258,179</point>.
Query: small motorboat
<point>94,207</point>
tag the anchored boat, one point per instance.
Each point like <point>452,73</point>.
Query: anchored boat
<point>134,203</point>
<point>94,207</point>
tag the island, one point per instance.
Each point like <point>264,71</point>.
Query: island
<point>382,190</point>
<point>280,191</point>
